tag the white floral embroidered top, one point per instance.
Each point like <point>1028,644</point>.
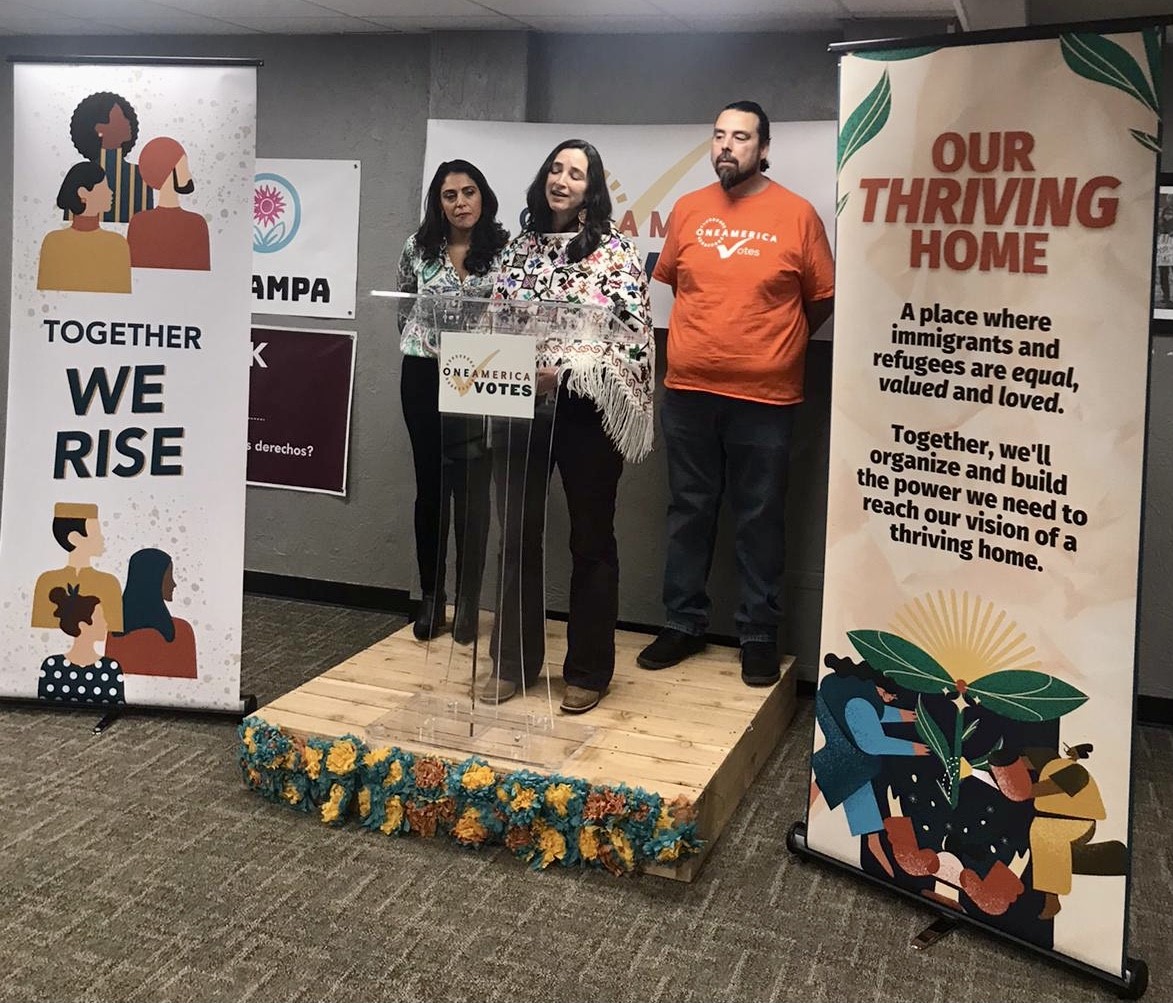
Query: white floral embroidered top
<point>432,277</point>
<point>618,377</point>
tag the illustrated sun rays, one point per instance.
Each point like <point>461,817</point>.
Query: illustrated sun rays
<point>968,637</point>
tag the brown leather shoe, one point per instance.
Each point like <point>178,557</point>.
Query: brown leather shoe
<point>579,700</point>
<point>498,690</point>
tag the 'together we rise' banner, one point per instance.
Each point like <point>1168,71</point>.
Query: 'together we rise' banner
<point>987,438</point>
<point>122,539</point>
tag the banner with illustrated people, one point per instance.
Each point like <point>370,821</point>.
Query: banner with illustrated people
<point>122,534</point>
<point>994,268</point>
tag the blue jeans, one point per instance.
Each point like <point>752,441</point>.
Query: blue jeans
<point>718,445</point>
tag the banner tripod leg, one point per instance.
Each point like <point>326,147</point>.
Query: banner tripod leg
<point>106,720</point>
<point>942,926</point>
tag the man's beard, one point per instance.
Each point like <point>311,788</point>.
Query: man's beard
<point>732,175</point>
<point>186,189</point>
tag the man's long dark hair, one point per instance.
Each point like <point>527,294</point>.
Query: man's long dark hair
<point>596,206</point>
<point>488,236</point>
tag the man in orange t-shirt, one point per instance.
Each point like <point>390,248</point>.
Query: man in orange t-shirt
<point>753,276</point>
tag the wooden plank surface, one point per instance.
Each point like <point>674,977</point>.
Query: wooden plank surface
<point>694,730</point>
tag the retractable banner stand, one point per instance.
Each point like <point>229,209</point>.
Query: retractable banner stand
<point>994,264</point>
<point>122,539</point>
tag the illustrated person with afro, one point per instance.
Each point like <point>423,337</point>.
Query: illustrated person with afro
<point>104,129</point>
<point>168,236</point>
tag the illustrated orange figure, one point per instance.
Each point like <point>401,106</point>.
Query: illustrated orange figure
<point>83,257</point>
<point>76,529</point>
<point>154,642</point>
<point>168,236</point>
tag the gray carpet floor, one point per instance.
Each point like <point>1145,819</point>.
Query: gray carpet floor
<point>135,866</point>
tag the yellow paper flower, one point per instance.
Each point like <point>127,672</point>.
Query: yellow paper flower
<point>331,809</point>
<point>342,758</point>
<point>364,802</point>
<point>313,762</point>
<point>663,820</point>
<point>478,778</point>
<point>376,756</point>
<point>248,740</point>
<point>394,816</point>
<point>622,847</point>
<point>523,798</point>
<point>283,761</point>
<point>671,852</point>
<point>468,828</point>
<point>588,842</point>
<point>558,797</point>
<point>394,774</point>
<point>254,777</point>
<point>552,845</point>
<point>290,793</point>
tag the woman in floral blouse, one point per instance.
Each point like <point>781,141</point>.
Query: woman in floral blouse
<point>455,250</point>
<point>602,389</point>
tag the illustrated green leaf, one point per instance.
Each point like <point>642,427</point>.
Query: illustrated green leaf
<point>969,731</point>
<point>1102,60</point>
<point>1152,51</point>
<point>841,203</point>
<point>930,733</point>
<point>892,55</point>
<point>866,121</point>
<point>901,661</point>
<point>983,762</point>
<point>1147,140</point>
<point>1024,695</point>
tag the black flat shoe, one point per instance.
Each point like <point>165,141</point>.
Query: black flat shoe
<point>430,617</point>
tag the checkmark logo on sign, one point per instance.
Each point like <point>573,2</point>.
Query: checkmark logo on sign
<point>462,385</point>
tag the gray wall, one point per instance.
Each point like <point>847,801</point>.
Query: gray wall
<point>369,97</point>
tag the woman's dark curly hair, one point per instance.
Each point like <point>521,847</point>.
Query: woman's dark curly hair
<point>93,111</point>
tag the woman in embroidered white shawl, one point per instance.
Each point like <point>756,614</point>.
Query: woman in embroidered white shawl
<point>569,251</point>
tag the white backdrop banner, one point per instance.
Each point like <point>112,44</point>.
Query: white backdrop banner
<point>122,539</point>
<point>992,297</point>
<point>305,237</point>
<point>648,168</point>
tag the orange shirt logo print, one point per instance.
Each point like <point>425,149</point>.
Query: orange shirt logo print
<point>713,232</point>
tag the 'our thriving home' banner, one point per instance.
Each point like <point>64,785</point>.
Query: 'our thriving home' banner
<point>122,540</point>
<point>995,235</point>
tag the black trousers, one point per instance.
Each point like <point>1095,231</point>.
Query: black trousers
<point>452,475</point>
<point>525,454</point>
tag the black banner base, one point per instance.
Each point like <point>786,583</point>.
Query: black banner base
<point>247,706</point>
<point>1136,972</point>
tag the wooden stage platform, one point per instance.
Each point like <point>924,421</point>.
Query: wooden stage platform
<point>694,730</point>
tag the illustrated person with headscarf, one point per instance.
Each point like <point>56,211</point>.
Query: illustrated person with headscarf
<point>83,257</point>
<point>104,129</point>
<point>168,236</point>
<point>153,642</point>
<point>80,675</point>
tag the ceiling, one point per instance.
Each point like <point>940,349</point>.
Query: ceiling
<point>318,17</point>
<point>315,17</point>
